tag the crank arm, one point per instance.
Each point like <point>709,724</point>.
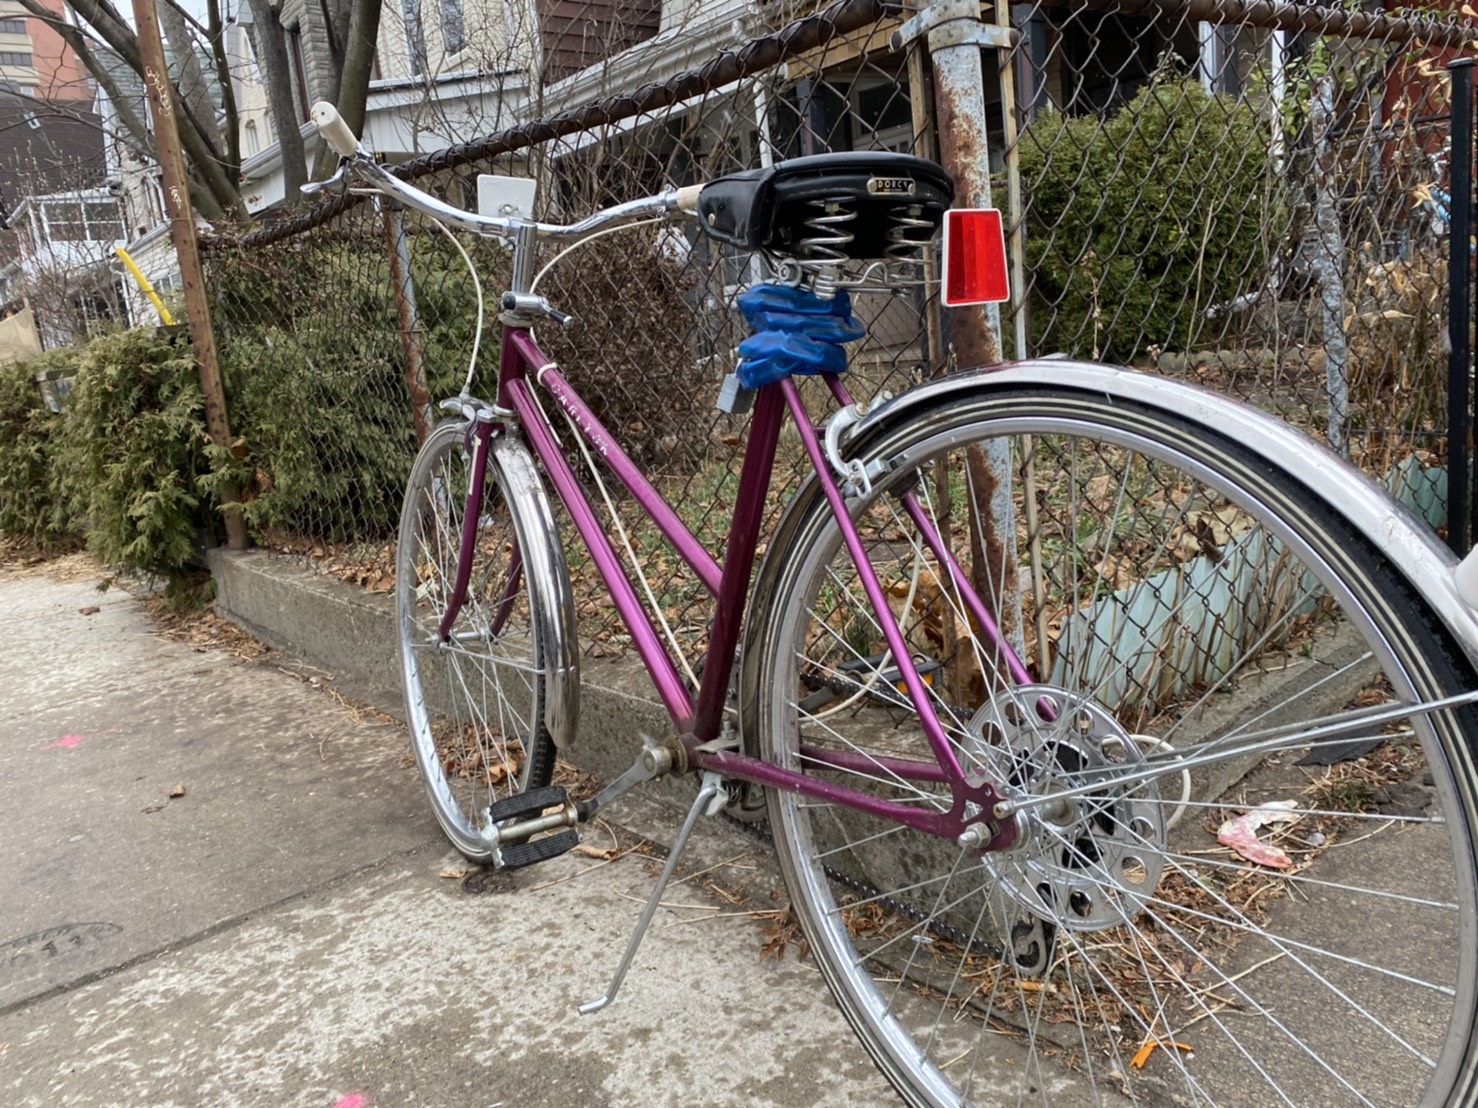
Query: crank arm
<point>654,761</point>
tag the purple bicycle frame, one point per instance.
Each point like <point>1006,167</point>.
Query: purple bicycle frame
<point>699,721</point>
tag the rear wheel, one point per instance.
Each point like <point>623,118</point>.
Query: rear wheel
<point>1180,606</point>
<point>475,699</point>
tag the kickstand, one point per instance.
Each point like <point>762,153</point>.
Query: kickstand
<point>711,798</point>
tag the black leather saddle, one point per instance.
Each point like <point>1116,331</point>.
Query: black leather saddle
<point>771,209</point>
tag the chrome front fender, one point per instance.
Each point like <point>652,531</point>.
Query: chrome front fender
<point>544,562</point>
<point>1394,531</point>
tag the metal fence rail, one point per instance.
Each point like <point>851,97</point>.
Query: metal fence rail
<point>1246,195</point>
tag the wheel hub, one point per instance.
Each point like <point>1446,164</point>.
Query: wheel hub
<point>1085,862</point>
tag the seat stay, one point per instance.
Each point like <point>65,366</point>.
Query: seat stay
<point>929,721</point>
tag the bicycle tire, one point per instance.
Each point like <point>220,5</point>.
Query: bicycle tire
<point>1078,964</point>
<point>475,704</point>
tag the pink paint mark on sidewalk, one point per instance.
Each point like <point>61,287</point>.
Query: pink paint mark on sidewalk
<point>72,742</point>
<point>353,1100</point>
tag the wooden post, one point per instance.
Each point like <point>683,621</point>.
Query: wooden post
<point>410,324</point>
<point>182,233</point>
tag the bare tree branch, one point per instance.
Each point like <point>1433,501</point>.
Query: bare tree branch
<point>270,41</point>
<point>190,81</point>
<point>138,131</point>
<point>212,150</point>
<point>216,36</point>
<point>354,76</point>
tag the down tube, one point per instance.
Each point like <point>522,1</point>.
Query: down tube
<point>549,378</point>
<point>665,679</point>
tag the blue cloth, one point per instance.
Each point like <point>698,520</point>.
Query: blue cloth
<point>795,332</point>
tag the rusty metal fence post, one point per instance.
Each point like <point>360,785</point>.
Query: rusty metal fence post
<point>955,34</point>
<point>1459,318</point>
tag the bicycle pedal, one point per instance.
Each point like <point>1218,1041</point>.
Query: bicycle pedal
<point>531,803</point>
<point>517,855</point>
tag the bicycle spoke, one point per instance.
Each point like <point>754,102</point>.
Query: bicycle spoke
<point>1171,703</point>
<point>474,699</point>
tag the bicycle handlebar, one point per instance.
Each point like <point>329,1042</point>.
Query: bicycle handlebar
<point>334,130</point>
<point>355,161</point>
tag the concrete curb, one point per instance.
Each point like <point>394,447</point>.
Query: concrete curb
<point>351,633</point>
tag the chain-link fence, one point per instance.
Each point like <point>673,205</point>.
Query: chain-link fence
<point>1247,196</point>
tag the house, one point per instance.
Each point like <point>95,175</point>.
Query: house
<point>434,82</point>
<point>60,218</point>
<point>34,59</point>
<point>448,71</point>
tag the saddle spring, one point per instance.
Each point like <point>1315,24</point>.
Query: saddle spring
<point>908,239</point>
<point>824,252</point>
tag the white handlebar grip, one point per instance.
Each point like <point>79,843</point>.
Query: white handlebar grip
<point>334,130</point>
<point>687,198</point>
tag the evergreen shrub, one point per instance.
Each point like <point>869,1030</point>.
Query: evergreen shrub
<point>30,509</point>
<point>1137,223</point>
<point>314,369</point>
<point>132,463</point>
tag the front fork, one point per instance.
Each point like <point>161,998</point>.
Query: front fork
<point>479,439</point>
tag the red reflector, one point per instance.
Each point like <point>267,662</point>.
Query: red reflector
<point>974,257</point>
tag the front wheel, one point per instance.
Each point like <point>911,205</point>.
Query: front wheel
<point>1245,866</point>
<point>475,697</point>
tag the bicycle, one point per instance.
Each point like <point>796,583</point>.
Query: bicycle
<point>998,776</point>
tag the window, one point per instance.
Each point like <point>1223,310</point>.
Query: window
<point>14,57</point>
<point>82,221</point>
<point>1106,58</point>
<point>300,75</point>
<point>65,222</point>
<point>415,35</point>
<point>249,51</point>
<point>453,37</point>
<point>253,140</point>
<point>12,26</point>
<point>156,201</point>
<point>882,118</point>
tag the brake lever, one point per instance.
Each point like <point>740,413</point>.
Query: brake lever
<point>519,305</point>
<point>340,179</point>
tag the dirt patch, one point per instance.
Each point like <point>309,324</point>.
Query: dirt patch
<point>204,630</point>
<point>20,558</point>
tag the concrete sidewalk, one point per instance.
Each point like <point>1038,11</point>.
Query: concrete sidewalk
<point>222,887</point>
